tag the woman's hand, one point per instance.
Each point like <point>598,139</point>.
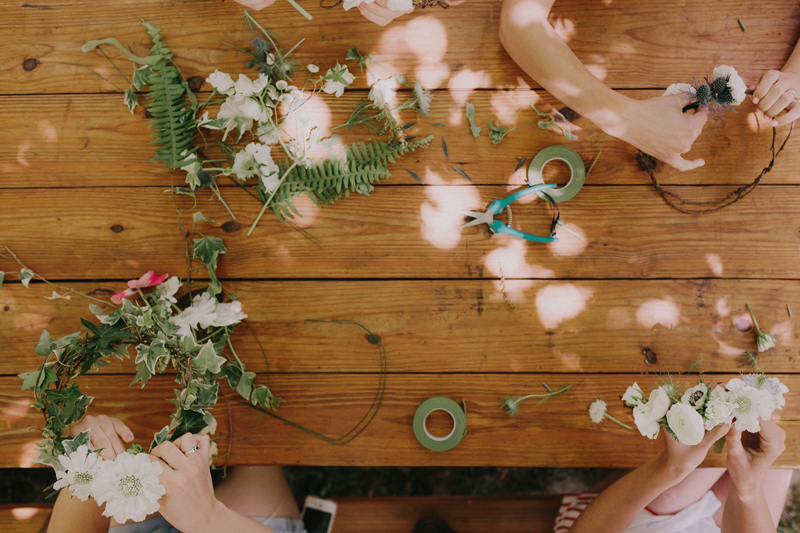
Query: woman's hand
<point>750,456</point>
<point>683,458</point>
<point>189,504</point>
<point>776,92</point>
<point>107,432</point>
<point>379,13</point>
<point>658,127</point>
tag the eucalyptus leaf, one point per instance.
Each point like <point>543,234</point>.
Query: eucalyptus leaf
<point>496,134</point>
<point>476,130</point>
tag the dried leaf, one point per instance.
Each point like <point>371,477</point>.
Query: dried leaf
<point>476,130</point>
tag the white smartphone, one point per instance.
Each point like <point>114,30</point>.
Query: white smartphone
<point>318,515</point>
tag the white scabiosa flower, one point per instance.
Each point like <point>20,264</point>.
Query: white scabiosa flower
<point>633,396</point>
<point>80,470</point>
<point>773,386</point>
<point>129,487</point>
<point>221,82</point>
<point>382,91</point>
<point>735,82</point>
<point>749,403</point>
<point>696,396</point>
<point>597,411</point>
<point>686,423</point>
<point>678,88</point>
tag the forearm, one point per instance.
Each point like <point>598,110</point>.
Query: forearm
<point>746,512</point>
<point>70,515</point>
<point>537,48</point>
<point>618,505</point>
<point>223,519</point>
<point>793,63</point>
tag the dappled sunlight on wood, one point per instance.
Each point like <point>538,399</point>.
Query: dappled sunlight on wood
<point>530,12</point>
<point>26,513</point>
<point>21,150</point>
<point>559,302</point>
<point>664,311</point>
<point>515,290</point>
<point>511,256</point>
<point>27,454</point>
<point>569,244</point>
<point>426,38</point>
<point>47,131</point>
<point>14,410</point>
<point>783,332</point>
<point>443,213</point>
<point>722,307</point>
<point>715,264</point>
<point>31,321</point>
<point>742,322</point>
<point>507,105</point>
<point>308,211</point>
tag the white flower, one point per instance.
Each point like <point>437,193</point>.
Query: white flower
<point>597,411</point>
<point>255,159</point>
<point>400,5</point>
<point>129,487</point>
<point>312,68</point>
<point>281,85</point>
<point>633,395</point>
<point>735,82</point>
<point>696,396</point>
<point>349,4</point>
<point>749,403</point>
<point>773,386</point>
<point>80,470</point>
<point>221,82</point>
<point>424,98</point>
<point>246,87</point>
<point>168,289</point>
<point>204,312</point>
<point>337,78</point>
<point>718,409</point>
<point>686,423</point>
<point>228,314</point>
<point>764,342</point>
<point>647,415</point>
<point>382,91</point>
<point>678,88</point>
<point>240,111</point>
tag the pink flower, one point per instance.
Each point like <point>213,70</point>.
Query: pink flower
<point>148,280</point>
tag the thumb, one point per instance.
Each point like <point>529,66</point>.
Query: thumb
<point>734,441</point>
<point>716,433</point>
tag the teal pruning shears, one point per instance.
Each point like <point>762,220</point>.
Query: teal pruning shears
<point>497,206</point>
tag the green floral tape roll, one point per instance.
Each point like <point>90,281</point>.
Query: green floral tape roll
<point>448,442</point>
<point>577,172</point>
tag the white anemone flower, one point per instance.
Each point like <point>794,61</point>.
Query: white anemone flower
<point>686,423</point>
<point>749,403</point>
<point>246,87</point>
<point>129,487</point>
<point>647,415</point>
<point>696,396</point>
<point>633,396</point>
<point>383,91</point>
<point>80,470</point>
<point>735,82</point>
<point>221,82</point>
<point>337,79</point>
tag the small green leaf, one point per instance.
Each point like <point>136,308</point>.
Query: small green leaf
<point>131,101</point>
<point>153,356</point>
<point>72,445</point>
<point>476,130</point>
<point>140,77</point>
<point>197,216</point>
<point>25,276</point>
<point>29,380</point>
<point>496,134</point>
<point>45,345</point>
<point>208,250</point>
<point>208,360</point>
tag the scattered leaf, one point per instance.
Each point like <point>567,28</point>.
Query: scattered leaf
<point>56,296</point>
<point>556,121</point>
<point>25,276</point>
<point>520,162</point>
<point>496,134</point>
<point>444,148</point>
<point>462,173</point>
<point>476,130</point>
<point>2,277</point>
<point>415,177</point>
<point>197,216</point>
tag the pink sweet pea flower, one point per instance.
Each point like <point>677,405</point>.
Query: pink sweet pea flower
<point>148,280</point>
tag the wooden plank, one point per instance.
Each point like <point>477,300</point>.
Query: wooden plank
<point>590,326</point>
<point>627,43</point>
<point>409,232</point>
<point>24,518</point>
<point>92,140</point>
<point>465,514</point>
<point>557,433</point>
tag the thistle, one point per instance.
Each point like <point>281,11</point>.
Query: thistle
<point>763,341</point>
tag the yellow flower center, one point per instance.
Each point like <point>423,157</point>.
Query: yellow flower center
<point>130,486</point>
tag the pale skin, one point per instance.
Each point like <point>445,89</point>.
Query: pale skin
<point>751,493</point>
<point>191,503</point>
<point>657,126</point>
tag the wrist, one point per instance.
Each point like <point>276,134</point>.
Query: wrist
<point>670,470</point>
<point>613,118</point>
<point>746,492</point>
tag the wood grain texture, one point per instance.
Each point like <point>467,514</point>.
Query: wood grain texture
<point>627,43</point>
<point>23,518</point>
<point>557,433</point>
<point>409,232</point>
<point>93,141</point>
<point>590,326</point>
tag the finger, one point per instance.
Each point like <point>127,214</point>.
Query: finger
<point>172,455</point>
<point>780,104</point>
<point>100,440</point>
<point>186,442</point>
<point>765,84</point>
<point>107,426</point>
<point>772,96</point>
<point>771,433</point>
<point>122,430</point>
<point>734,442</point>
<point>167,472</point>
<point>683,165</point>
<point>790,116</point>
<point>715,434</point>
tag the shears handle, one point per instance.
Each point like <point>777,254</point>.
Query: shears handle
<point>498,205</point>
<point>499,227</point>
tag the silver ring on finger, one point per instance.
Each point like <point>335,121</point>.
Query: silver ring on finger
<point>192,449</point>
<point>796,99</point>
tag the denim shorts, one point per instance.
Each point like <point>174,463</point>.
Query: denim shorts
<point>160,525</point>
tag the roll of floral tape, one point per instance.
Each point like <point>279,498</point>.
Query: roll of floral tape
<point>448,442</point>
<point>577,171</point>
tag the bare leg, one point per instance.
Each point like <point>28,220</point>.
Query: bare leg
<point>257,491</point>
<point>687,491</point>
<point>610,479</point>
<point>776,487</point>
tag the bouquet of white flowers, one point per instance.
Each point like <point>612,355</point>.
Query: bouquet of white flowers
<point>687,415</point>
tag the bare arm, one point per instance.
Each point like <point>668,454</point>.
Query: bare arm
<point>656,126</point>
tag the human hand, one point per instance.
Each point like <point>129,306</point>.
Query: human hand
<point>256,4</point>
<point>107,432</point>
<point>750,456</point>
<point>658,127</point>
<point>189,503</point>
<point>379,12</point>
<point>778,91</point>
<point>684,458</point>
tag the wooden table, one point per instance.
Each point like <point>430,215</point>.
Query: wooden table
<point>81,205</point>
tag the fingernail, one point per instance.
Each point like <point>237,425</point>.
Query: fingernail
<point>756,100</point>
<point>128,436</point>
<point>774,123</point>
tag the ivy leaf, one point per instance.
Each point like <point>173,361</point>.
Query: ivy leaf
<point>45,345</point>
<point>140,77</point>
<point>25,276</point>
<point>104,334</point>
<point>131,100</point>
<point>188,344</point>
<point>190,422</point>
<point>152,355</point>
<point>476,130</point>
<point>143,374</point>
<point>197,216</point>
<point>72,445</point>
<point>160,437</point>
<point>38,380</point>
<point>29,380</point>
<point>208,360</point>
<point>208,250</point>
<point>263,396</point>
